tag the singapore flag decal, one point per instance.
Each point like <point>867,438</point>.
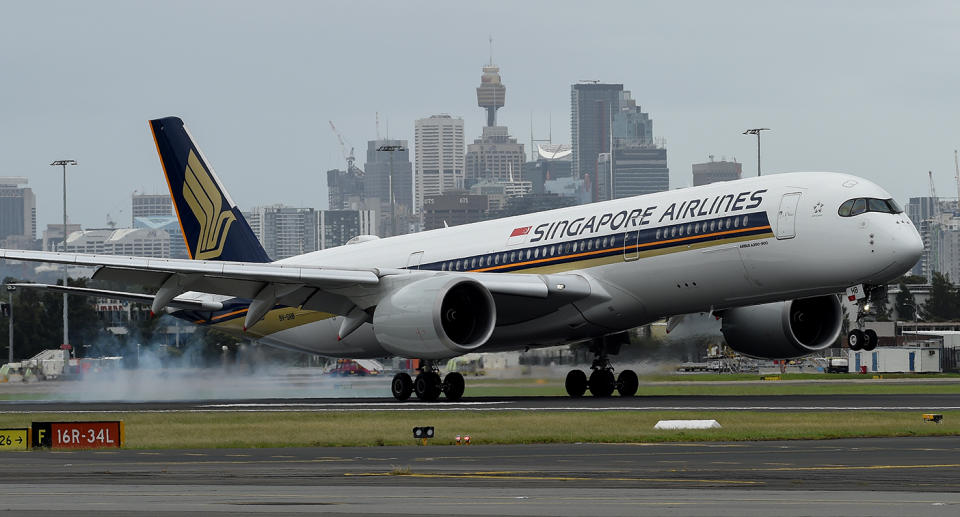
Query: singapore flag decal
<point>518,236</point>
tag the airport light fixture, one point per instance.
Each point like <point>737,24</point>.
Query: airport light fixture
<point>9,314</point>
<point>393,211</point>
<point>756,131</point>
<point>66,325</point>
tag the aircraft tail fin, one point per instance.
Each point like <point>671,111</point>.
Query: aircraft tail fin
<point>212,225</point>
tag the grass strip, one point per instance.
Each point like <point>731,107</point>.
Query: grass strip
<point>364,428</point>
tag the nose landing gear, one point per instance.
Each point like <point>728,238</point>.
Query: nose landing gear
<point>602,382</point>
<point>860,338</point>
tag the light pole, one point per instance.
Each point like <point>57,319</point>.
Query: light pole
<point>10,290</point>
<point>756,131</point>
<point>393,211</point>
<point>66,326</point>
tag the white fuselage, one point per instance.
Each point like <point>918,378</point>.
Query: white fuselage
<point>699,249</point>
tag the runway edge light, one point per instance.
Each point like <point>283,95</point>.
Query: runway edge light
<point>933,417</point>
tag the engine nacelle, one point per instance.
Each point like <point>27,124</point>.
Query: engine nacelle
<point>435,318</point>
<point>783,330</point>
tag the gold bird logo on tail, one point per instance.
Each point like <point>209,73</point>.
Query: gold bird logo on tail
<point>206,202</point>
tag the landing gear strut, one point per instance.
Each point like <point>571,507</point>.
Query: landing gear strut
<point>602,382</point>
<point>427,385</point>
<point>858,338</point>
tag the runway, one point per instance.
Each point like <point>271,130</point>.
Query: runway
<point>924,402</point>
<point>887,476</point>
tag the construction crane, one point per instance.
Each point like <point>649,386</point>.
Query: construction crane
<point>347,156</point>
<point>956,167</point>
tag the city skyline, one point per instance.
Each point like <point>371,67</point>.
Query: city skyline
<point>838,90</point>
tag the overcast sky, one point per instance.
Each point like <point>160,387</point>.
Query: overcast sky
<point>869,88</point>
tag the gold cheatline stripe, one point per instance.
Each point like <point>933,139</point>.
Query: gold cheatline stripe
<point>606,250</point>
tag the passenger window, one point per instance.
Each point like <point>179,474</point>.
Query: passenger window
<point>696,228</point>
<point>680,231</point>
<point>846,207</point>
<point>596,243</point>
<point>605,242</point>
<point>513,256</point>
<point>713,225</point>
<point>528,254</point>
<point>443,267</point>
<point>673,231</point>
<point>689,229</point>
<point>859,207</point>
<point>458,265</point>
<point>658,233</point>
<point>744,221</point>
<point>473,263</point>
<point>736,222</point>
<point>489,259</point>
<point>552,249</point>
<point>536,253</point>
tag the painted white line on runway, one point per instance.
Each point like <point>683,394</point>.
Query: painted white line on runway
<point>451,407</point>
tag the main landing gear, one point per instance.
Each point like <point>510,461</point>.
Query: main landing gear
<point>602,382</point>
<point>427,384</point>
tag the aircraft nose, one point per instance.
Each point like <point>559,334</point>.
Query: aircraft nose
<point>909,246</point>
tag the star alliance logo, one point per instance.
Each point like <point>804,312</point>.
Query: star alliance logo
<point>206,203</point>
<point>818,208</point>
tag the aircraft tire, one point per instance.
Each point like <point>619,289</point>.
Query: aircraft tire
<point>576,383</point>
<point>856,339</point>
<point>453,386</point>
<point>602,383</point>
<point>401,386</point>
<point>627,383</point>
<point>870,340</point>
<point>427,386</point>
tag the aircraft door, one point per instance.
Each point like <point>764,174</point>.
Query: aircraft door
<point>631,241</point>
<point>414,261</point>
<point>787,216</point>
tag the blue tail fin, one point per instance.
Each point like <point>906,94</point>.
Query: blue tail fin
<point>212,225</point>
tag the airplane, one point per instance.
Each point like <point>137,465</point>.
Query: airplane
<point>767,255</point>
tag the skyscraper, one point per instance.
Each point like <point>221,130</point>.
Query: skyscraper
<point>614,151</point>
<point>439,159</point>
<point>591,110</point>
<point>384,156</point>
<point>713,171</point>
<point>150,205</point>
<point>284,231</point>
<point>18,209</point>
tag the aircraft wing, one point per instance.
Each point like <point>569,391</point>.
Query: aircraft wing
<point>335,290</point>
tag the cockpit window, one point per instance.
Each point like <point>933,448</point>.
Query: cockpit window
<point>845,208</point>
<point>852,207</point>
<point>859,207</point>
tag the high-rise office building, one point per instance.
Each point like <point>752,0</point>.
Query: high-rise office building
<point>924,213</point>
<point>388,164</point>
<point>614,150</point>
<point>150,205</point>
<point>439,159</point>
<point>284,231</point>
<point>18,209</point>
<point>591,109</point>
<point>337,227</point>
<point>343,187</point>
<point>453,209</point>
<point>714,171</point>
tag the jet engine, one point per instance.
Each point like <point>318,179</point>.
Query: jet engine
<point>783,330</point>
<point>435,318</point>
